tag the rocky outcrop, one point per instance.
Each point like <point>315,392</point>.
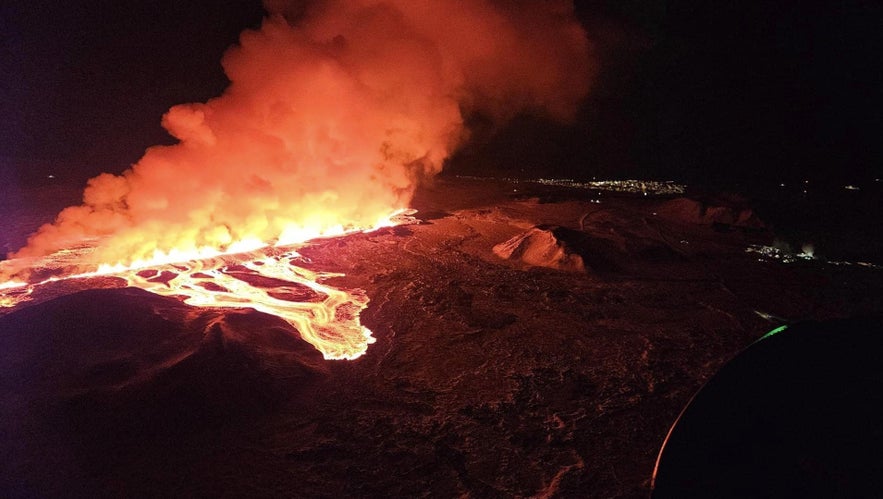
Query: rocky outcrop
<point>543,246</point>
<point>692,211</point>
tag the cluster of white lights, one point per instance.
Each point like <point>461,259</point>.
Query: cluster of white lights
<point>645,187</point>
<point>778,254</point>
<point>772,253</point>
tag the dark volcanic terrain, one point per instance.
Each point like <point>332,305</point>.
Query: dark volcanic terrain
<point>490,377</point>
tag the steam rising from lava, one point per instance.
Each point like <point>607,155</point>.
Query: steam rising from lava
<point>334,113</point>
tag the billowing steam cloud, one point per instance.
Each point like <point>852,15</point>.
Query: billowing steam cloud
<point>334,112</point>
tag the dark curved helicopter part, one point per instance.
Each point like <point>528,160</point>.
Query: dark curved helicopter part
<point>799,413</point>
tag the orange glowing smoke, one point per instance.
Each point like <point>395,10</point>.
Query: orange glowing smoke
<point>333,115</point>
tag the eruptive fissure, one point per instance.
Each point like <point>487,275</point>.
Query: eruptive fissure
<point>335,111</point>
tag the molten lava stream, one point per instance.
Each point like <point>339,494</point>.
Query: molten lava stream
<point>326,317</point>
<point>267,280</point>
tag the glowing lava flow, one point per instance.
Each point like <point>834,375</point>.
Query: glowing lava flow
<point>267,280</point>
<point>325,317</point>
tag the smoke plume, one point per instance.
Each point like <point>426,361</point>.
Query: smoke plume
<point>335,111</point>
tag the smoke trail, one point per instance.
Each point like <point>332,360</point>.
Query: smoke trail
<point>335,111</point>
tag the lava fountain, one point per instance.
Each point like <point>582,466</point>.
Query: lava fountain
<point>334,113</point>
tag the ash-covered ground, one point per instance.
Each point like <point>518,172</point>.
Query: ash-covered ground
<point>490,377</point>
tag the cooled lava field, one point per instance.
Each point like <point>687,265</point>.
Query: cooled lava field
<point>531,340</point>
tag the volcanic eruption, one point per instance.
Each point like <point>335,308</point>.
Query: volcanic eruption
<point>529,331</point>
<point>335,112</point>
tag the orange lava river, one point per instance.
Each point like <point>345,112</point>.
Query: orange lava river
<point>325,317</point>
<point>269,280</point>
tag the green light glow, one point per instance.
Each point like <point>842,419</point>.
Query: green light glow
<point>774,331</point>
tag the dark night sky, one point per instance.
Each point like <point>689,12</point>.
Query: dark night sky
<point>699,91</point>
